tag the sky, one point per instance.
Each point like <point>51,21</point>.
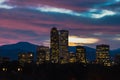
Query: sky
<point>90,22</point>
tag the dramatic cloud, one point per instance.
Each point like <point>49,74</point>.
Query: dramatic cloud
<point>5,6</point>
<point>75,40</point>
<point>90,21</point>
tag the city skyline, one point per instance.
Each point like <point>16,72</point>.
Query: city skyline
<point>88,22</point>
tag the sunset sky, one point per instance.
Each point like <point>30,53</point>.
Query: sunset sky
<point>90,22</point>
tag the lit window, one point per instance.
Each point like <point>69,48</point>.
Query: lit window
<point>31,55</point>
<point>19,69</point>
<point>4,69</point>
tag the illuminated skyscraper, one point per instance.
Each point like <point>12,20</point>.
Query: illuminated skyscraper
<point>54,45</point>
<point>63,46</point>
<point>102,55</point>
<point>80,54</point>
<point>43,54</point>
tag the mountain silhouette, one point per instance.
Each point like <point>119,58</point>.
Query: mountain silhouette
<point>12,50</point>
<point>114,52</point>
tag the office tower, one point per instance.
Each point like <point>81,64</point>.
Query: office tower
<point>80,54</point>
<point>25,58</point>
<point>29,57</point>
<point>63,46</point>
<point>43,54</point>
<point>102,55</point>
<point>72,57</point>
<point>54,45</point>
<point>22,58</point>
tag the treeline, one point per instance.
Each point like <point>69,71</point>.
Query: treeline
<point>49,71</point>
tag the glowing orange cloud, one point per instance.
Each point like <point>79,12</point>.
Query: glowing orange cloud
<point>75,40</point>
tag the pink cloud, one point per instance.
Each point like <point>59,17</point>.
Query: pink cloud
<point>13,24</point>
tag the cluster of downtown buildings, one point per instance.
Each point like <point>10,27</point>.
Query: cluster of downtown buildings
<point>59,53</point>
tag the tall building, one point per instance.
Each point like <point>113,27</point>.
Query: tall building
<point>54,45</point>
<point>63,46</point>
<point>80,54</point>
<point>43,54</point>
<point>102,55</point>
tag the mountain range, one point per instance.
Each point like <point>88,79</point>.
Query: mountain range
<point>12,50</point>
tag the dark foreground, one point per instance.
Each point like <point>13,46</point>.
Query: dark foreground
<point>60,72</point>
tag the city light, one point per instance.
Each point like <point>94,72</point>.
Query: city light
<point>31,55</point>
<point>4,69</point>
<point>19,69</point>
